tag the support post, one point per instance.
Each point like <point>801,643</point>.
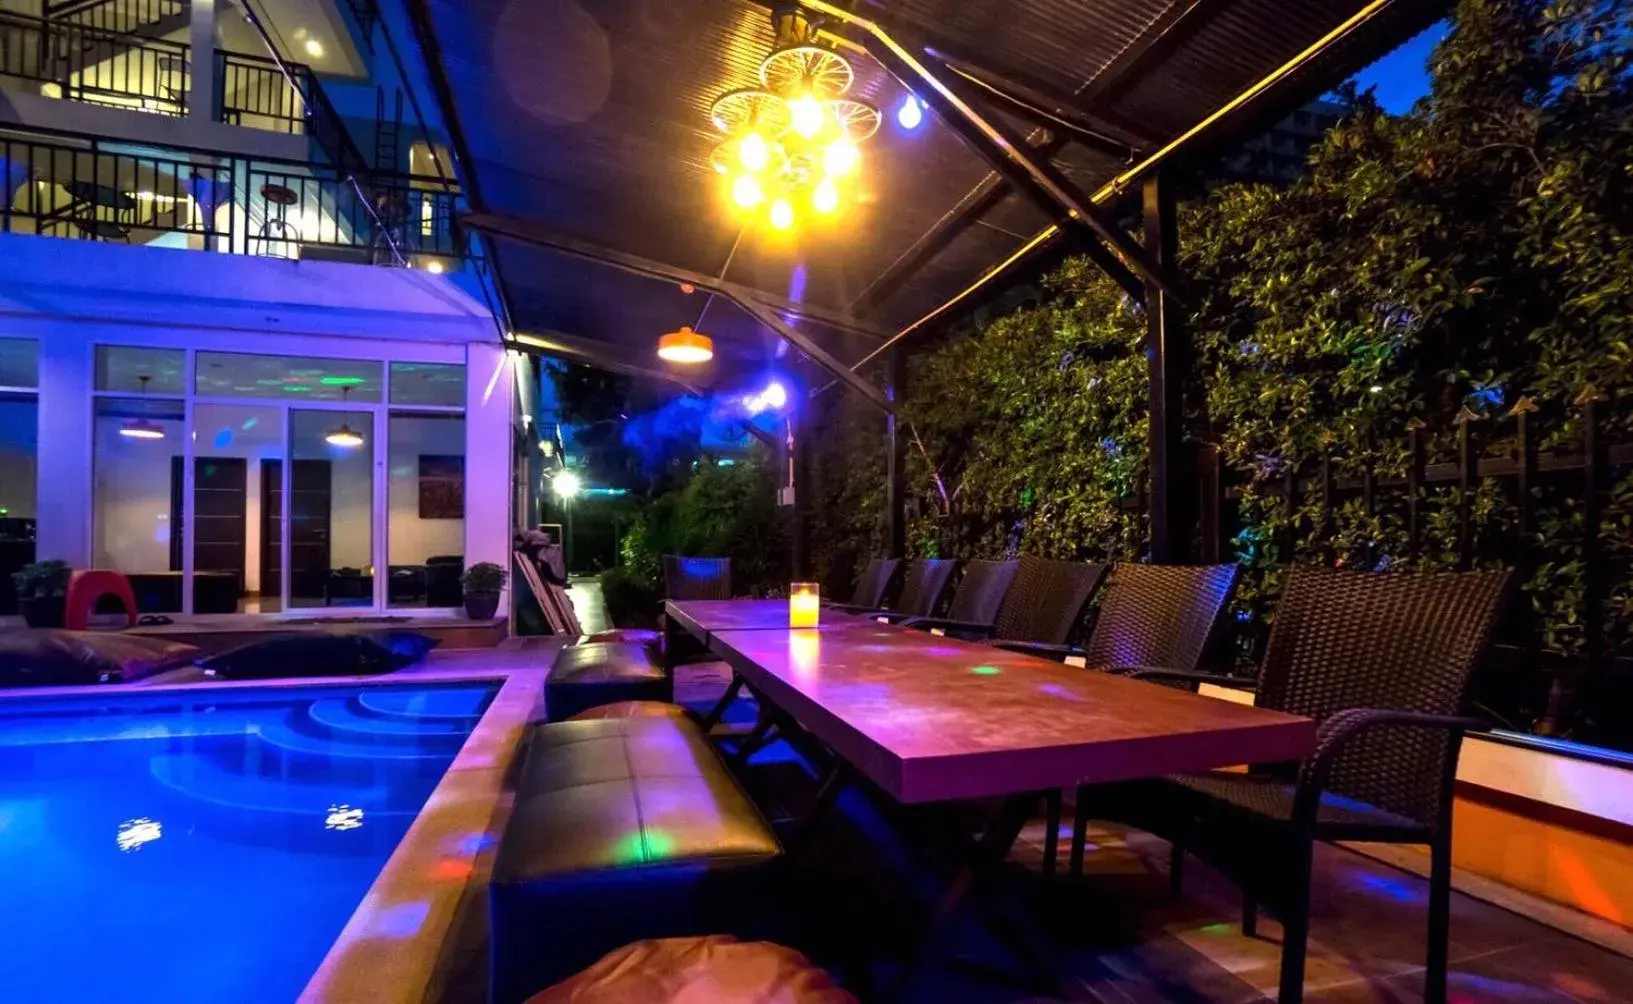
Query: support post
<point>799,466</point>
<point>896,460</point>
<point>201,34</point>
<point>1167,352</point>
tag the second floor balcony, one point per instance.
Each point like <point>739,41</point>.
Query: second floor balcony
<point>108,67</point>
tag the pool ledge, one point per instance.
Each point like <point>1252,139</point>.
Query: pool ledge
<point>403,939</point>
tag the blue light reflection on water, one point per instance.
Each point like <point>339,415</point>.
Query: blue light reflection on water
<point>170,849</point>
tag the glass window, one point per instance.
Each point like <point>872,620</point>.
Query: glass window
<point>19,454</point>
<point>131,370</point>
<point>19,362</point>
<point>238,452</point>
<point>432,384</point>
<point>137,496</point>
<point>331,509</point>
<point>292,378</point>
<point>425,533</point>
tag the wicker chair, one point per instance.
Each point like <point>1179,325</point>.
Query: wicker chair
<point>1039,601</point>
<point>872,586</point>
<point>922,588</point>
<point>696,578</point>
<point>1382,662</point>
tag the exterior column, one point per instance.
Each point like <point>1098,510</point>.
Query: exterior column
<point>896,460</point>
<point>1168,355</point>
<point>201,36</point>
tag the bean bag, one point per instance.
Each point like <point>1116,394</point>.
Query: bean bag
<point>54,658</point>
<point>321,653</point>
<point>712,970</point>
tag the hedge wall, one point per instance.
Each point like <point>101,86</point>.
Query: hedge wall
<point>1448,262</point>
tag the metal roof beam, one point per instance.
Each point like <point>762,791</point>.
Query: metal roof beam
<point>1065,122</point>
<point>593,353</point>
<point>769,310</point>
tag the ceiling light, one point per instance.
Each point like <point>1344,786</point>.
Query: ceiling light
<point>911,113</point>
<point>753,152</point>
<point>774,395</point>
<point>746,191</point>
<point>434,267</point>
<point>344,436</point>
<point>141,428</point>
<point>825,199</point>
<point>782,214</point>
<point>841,158</point>
<point>685,346</point>
<point>314,48</point>
<point>808,115</point>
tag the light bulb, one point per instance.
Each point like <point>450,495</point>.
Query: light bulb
<point>911,113</point>
<point>746,191</point>
<point>841,158</point>
<point>807,115</point>
<point>782,214</point>
<point>753,152</point>
<point>826,197</point>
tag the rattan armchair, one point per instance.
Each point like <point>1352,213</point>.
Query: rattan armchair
<point>687,578</point>
<point>923,586</point>
<point>1382,662</point>
<point>872,586</point>
<point>1040,600</point>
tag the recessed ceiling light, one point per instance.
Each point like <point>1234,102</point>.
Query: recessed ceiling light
<point>314,48</point>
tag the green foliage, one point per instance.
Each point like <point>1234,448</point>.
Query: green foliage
<point>1473,252</point>
<point>483,578</point>
<point>718,512</point>
<point>42,579</point>
<point>632,598</point>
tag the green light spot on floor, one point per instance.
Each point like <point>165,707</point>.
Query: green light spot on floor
<point>297,388</point>
<point>1219,929</point>
<point>340,381</point>
<point>985,671</point>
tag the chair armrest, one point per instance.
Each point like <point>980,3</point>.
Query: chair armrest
<point>950,626</point>
<point>855,608</point>
<point>1153,675</point>
<point>1043,650</point>
<point>1339,730</point>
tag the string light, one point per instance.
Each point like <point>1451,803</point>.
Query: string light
<point>782,214</point>
<point>911,113</point>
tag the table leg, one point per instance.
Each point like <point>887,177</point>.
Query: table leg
<point>1051,836</point>
<point>717,712</point>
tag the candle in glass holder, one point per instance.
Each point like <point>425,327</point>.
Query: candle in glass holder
<point>804,604</point>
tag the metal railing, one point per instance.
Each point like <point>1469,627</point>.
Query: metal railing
<point>254,91</point>
<point>88,64</point>
<point>221,203</point>
<point>121,16</point>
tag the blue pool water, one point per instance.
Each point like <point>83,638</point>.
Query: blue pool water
<point>207,846</point>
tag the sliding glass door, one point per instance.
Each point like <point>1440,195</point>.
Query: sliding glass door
<point>330,554</point>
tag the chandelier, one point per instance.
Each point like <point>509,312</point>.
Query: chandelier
<point>791,144</point>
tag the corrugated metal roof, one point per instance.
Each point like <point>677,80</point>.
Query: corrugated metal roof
<point>591,116</point>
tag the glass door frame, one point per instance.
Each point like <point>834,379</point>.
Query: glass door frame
<point>379,413</point>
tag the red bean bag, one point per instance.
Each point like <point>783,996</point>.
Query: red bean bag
<point>717,969</point>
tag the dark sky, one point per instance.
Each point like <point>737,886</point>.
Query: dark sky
<point>1401,77</point>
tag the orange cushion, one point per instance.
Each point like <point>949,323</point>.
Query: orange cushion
<point>717,969</point>
<point>631,709</point>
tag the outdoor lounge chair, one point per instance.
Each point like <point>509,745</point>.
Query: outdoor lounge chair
<point>922,588</point>
<point>872,586</point>
<point>1041,601</point>
<point>1382,661</point>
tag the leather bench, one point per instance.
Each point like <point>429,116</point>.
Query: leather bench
<point>624,828</point>
<point>716,969</point>
<point>590,675</point>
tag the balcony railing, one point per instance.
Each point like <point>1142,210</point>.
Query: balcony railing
<point>121,16</point>
<point>220,203</point>
<point>254,91</point>
<point>82,63</point>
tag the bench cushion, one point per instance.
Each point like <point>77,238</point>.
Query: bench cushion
<point>634,636</point>
<point>631,709</point>
<point>718,969</point>
<point>587,676</point>
<point>623,828</point>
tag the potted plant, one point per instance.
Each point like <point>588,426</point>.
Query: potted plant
<point>42,592</point>
<point>482,583</point>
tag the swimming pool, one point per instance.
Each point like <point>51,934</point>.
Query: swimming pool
<point>205,845</point>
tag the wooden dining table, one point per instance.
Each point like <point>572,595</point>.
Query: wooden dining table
<point>922,718</point>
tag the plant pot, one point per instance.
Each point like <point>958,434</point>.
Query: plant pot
<point>481,606</point>
<point>43,611</point>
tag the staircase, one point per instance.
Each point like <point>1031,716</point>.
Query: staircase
<point>143,18</point>
<point>342,774</point>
